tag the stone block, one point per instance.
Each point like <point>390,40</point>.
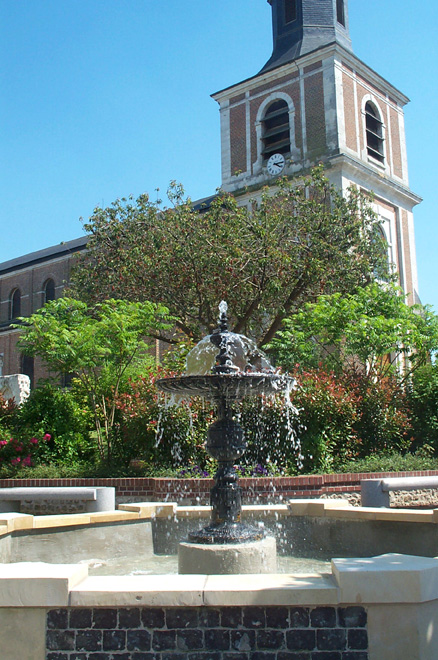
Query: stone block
<point>16,387</point>
<point>36,584</point>
<point>143,590</point>
<point>390,578</point>
<point>151,509</point>
<point>15,521</point>
<point>65,520</point>
<point>112,516</point>
<point>272,590</point>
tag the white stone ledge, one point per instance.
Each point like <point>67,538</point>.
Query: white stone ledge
<point>30,584</point>
<point>390,578</point>
<point>140,591</point>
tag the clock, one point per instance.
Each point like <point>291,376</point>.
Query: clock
<point>276,164</point>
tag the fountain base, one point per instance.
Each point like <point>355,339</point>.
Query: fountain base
<point>228,558</point>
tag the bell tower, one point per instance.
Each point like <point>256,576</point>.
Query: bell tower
<point>301,26</point>
<point>315,101</point>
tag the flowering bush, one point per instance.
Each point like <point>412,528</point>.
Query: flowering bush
<point>20,453</point>
<point>347,417</point>
<point>159,433</point>
<point>61,416</point>
<point>8,412</point>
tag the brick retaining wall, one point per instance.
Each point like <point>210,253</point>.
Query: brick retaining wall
<point>196,491</point>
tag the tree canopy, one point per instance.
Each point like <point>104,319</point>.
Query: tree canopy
<point>100,345</point>
<point>371,331</point>
<point>290,245</point>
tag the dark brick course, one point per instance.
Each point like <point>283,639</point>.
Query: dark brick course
<point>203,633</point>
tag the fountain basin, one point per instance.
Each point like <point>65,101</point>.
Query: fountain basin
<point>388,602</point>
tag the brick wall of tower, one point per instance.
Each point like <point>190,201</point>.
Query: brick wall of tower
<point>290,85</point>
<point>349,113</point>
<point>238,132</point>
<point>315,116</point>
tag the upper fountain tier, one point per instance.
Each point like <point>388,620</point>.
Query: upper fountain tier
<point>238,370</point>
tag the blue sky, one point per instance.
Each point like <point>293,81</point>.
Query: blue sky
<point>105,98</point>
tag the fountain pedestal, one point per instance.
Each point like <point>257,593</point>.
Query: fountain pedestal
<point>228,558</point>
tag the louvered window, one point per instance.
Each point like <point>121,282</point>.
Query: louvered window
<point>374,131</point>
<point>276,131</point>
<point>340,12</point>
<point>290,11</point>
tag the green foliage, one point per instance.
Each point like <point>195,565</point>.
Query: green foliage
<point>158,433</point>
<point>368,330</point>
<point>423,404</point>
<point>8,413</point>
<point>102,346</point>
<point>347,418</point>
<point>327,411</point>
<point>393,462</point>
<point>57,413</point>
<point>297,242</point>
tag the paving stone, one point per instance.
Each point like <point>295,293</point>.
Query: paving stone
<point>352,617</point>
<point>105,618</point>
<point>129,617</point>
<point>60,640</point>
<point>80,618</point>
<point>153,617</point>
<point>138,640</point>
<point>300,640</point>
<point>57,619</point>
<point>357,639</point>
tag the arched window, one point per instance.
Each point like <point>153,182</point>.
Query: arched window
<point>276,130</point>
<point>28,367</point>
<point>374,132</point>
<point>340,12</point>
<point>48,291</point>
<point>15,304</point>
<point>290,11</point>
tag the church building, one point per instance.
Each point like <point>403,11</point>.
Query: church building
<point>313,101</point>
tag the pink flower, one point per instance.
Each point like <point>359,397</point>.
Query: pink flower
<point>3,443</point>
<point>27,461</point>
<point>16,461</point>
<point>47,437</point>
<point>34,441</point>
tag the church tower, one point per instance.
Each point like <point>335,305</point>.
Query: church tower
<point>315,101</point>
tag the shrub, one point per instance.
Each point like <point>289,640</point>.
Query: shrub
<point>328,412</point>
<point>56,412</point>
<point>162,434</point>
<point>423,402</point>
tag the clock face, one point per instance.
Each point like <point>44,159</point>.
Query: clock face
<point>276,164</point>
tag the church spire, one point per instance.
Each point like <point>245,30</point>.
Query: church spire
<point>301,26</point>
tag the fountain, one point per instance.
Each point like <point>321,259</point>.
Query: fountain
<point>238,370</point>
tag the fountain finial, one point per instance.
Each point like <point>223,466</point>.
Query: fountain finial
<point>221,337</point>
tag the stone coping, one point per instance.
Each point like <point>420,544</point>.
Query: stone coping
<point>388,578</point>
<point>329,508</point>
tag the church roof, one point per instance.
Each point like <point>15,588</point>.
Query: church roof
<point>314,24</point>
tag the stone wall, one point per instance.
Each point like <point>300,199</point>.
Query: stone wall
<point>226,633</point>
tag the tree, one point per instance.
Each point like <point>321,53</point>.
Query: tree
<point>101,346</point>
<point>372,331</point>
<point>293,244</point>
